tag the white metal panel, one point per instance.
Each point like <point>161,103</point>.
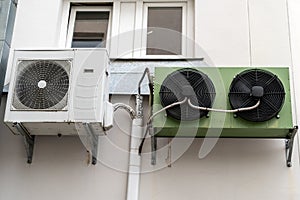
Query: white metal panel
<point>89,85</point>
<point>138,29</point>
<point>269,33</point>
<point>126,30</point>
<point>115,29</point>
<point>221,30</point>
<point>44,128</point>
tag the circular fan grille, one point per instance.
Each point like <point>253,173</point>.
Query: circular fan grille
<point>42,85</point>
<point>254,84</point>
<point>189,83</point>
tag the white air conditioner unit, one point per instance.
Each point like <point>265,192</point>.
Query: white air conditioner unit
<point>56,91</point>
<point>59,92</point>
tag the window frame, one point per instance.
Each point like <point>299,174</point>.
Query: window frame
<point>185,27</point>
<point>75,9</point>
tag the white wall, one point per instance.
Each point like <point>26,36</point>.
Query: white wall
<point>269,33</point>
<point>37,24</point>
<point>60,168</point>
<point>222,31</point>
<point>294,11</point>
<point>232,32</point>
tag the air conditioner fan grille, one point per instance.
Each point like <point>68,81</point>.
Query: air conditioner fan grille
<point>42,84</point>
<point>241,94</point>
<point>187,83</point>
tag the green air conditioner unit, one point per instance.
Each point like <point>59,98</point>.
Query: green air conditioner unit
<point>226,102</point>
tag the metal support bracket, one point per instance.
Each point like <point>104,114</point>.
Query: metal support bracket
<point>153,149</point>
<point>153,144</point>
<point>28,140</point>
<point>93,139</point>
<point>289,144</point>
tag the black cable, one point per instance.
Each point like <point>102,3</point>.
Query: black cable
<point>147,71</point>
<point>144,138</point>
<point>150,84</point>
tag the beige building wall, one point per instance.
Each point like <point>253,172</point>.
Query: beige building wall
<point>227,33</point>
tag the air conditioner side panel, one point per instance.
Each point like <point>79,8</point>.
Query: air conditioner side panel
<point>89,85</point>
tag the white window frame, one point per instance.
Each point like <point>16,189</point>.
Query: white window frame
<point>185,27</point>
<point>75,9</point>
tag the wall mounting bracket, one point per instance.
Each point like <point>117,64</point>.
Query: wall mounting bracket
<point>28,140</point>
<point>93,140</point>
<point>289,144</point>
<point>153,148</point>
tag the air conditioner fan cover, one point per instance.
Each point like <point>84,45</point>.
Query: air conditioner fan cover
<point>41,84</point>
<point>242,94</point>
<point>187,83</point>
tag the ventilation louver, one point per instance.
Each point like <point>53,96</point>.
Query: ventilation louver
<point>256,84</point>
<point>41,85</point>
<point>187,83</point>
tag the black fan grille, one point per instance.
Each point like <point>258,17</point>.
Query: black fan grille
<point>172,90</point>
<point>42,84</point>
<point>271,102</point>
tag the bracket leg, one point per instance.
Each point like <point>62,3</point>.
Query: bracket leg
<point>169,157</point>
<point>95,150</point>
<point>153,149</point>
<point>93,139</point>
<point>28,141</point>
<point>289,144</point>
<point>29,145</point>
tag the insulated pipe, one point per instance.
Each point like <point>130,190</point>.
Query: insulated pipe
<point>125,107</point>
<point>134,169</point>
<point>222,110</point>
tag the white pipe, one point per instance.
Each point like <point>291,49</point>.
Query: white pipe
<point>222,110</point>
<point>134,169</point>
<point>167,107</point>
<point>125,107</point>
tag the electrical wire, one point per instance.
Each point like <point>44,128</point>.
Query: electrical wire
<point>151,118</point>
<point>222,110</point>
<point>147,71</point>
<point>150,84</point>
<point>195,107</point>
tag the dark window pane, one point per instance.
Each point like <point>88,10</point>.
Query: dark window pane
<point>90,29</point>
<point>164,31</point>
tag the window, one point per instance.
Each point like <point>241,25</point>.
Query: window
<point>89,27</point>
<point>165,25</point>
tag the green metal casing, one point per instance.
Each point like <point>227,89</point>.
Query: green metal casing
<point>223,124</point>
